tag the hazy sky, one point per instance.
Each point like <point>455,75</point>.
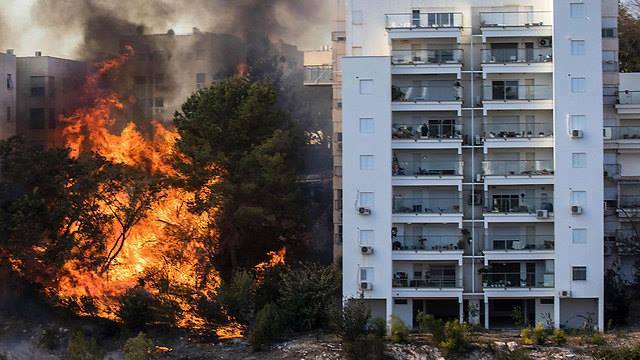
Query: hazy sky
<point>26,26</point>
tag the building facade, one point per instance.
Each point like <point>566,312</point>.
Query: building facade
<point>472,163</point>
<point>7,95</point>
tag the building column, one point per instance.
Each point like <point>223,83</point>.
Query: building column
<point>600,314</point>
<point>556,312</point>
<point>486,313</point>
<point>389,305</point>
<point>461,309</point>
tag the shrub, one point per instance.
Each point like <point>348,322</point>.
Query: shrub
<point>455,337</point>
<point>139,308</point>
<point>50,339</point>
<point>269,325</point>
<point>138,348</point>
<point>81,348</point>
<point>595,338</point>
<point>539,334</point>
<point>351,319</point>
<point>613,353</point>
<point>559,337</point>
<point>377,328</point>
<point>525,337</point>
<point>428,324</point>
<point>399,331</point>
<point>237,296</point>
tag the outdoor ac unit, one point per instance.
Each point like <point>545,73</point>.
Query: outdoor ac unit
<point>366,250</point>
<point>542,214</point>
<point>546,42</point>
<point>607,133</point>
<point>576,210</point>
<point>365,285</point>
<point>577,134</point>
<point>565,293</point>
<point>364,211</point>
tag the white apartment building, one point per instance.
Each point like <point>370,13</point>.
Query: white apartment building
<point>472,158</point>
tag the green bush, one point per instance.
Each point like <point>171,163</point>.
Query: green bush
<point>539,334</point>
<point>559,337</point>
<point>399,331</point>
<point>268,327</point>
<point>378,328</point>
<point>428,324</point>
<point>237,296</point>
<point>525,337</point>
<point>351,319</point>
<point>455,337</point>
<point>138,348</point>
<point>139,308</point>
<point>81,348</point>
<point>595,338</point>
<point>613,353</point>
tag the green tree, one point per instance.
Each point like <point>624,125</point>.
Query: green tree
<point>237,296</point>
<point>629,36</point>
<point>239,153</point>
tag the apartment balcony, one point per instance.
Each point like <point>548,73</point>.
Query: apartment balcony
<point>509,208</point>
<point>423,210</point>
<point>628,104</point>
<point>504,135</point>
<point>622,137</point>
<point>426,279</point>
<point>432,134</point>
<point>502,247</point>
<point>427,98</point>
<point>517,61</point>
<point>518,284</point>
<point>426,61</point>
<point>497,24</point>
<point>427,173</point>
<point>427,247</point>
<point>510,95</point>
<point>612,171</point>
<point>420,25</point>
<point>321,75</point>
<point>517,172</point>
<point>628,206</point>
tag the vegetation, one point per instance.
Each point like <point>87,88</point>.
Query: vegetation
<point>559,337</point>
<point>525,337</point>
<point>237,296</point>
<point>612,353</point>
<point>455,337</point>
<point>361,336</point>
<point>138,348</point>
<point>399,331</point>
<point>139,309</point>
<point>268,327</point>
<point>629,36</point>
<point>82,348</point>
<point>428,324</point>
<point>539,334</point>
<point>594,338</point>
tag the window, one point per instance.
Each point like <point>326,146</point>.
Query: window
<point>546,301</point>
<point>52,119</point>
<point>577,10</point>
<point>609,26</point>
<point>200,78</point>
<point>579,160</point>
<point>366,199</point>
<point>579,198</point>
<point>37,86</point>
<point>9,81</point>
<point>367,126</point>
<point>577,47</point>
<point>357,17</point>
<point>366,162</point>
<point>400,301</point>
<point>609,32</point>
<point>577,122</point>
<point>366,237</point>
<point>9,114</point>
<point>579,236</point>
<point>159,102</point>
<point>36,119</point>
<point>578,85</point>
<point>366,274</point>
<point>366,87</point>
<point>579,273</point>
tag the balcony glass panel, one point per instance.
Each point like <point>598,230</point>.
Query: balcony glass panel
<point>514,130</point>
<point>435,93</point>
<point>424,20</point>
<point>426,56</point>
<point>427,168</point>
<point>507,242</point>
<point>623,132</point>
<point>440,276</point>
<point>517,167</point>
<point>432,129</point>
<point>436,205</point>
<point>628,97</point>
<point>517,280</point>
<point>512,90</point>
<point>517,55</point>
<point>515,18</point>
<point>426,242</point>
<point>318,74</point>
<point>517,204</point>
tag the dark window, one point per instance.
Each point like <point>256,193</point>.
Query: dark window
<point>200,78</point>
<point>505,203</point>
<point>36,119</point>
<point>505,90</point>
<point>53,121</point>
<point>9,81</point>
<point>609,32</point>
<point>400,301</point>
<point>37,86</point>
<point>579,273</point>
<point>545,301</point>
<point>159,102</point>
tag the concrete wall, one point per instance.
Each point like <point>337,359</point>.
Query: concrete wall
<point>7,95</point>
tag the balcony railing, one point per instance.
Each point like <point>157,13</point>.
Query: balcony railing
<point>426,57</point>
<point>321,74</point>
<point>629,202</point>
<point>427,168</point>
<point>425,131</point>
<point>517,55</point>
<point>517,280</point>
<point>424,20</point>
<point>622,132</point>
<point>402,205</point>
<point>426,242</point>
<point>517,167</point>
<point>517,130</point>
<point>508,92</point>
<point>520,205</point>
<point>520,242</point>
<point>628,97</point>
<point>435,93</point>
<point>435,282</point>
<point>515,18</point>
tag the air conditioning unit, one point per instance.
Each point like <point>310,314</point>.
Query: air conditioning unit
<point>565,293</point>
<point>542,214</point>
<point>364,211</point>
<point>577,134</point>
<point>607,133</point>
<point>546,42</point>
<point>366,250</point>
<point>576,210</point>
<point>365,285</point>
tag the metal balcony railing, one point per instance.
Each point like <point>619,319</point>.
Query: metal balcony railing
<point>426,242</point>
<point>426,56</point>
<point>402,205</point>
<point>427,168</point>
<point>629,202</point>
<point>515,91</point>
<point>427,131</point>
<point>517,130</point>
<point>417,20</point>
<point>628,97</point>
<point>433,281</point>
<point>517,280</point>
<point>520,242</point>
<point>515,18</point>
<point>508,204</point>
<point>321,74</point>
<point>517,55</point>
<point>517,167</point>
<point>622,132</point>
<point>433,93</point>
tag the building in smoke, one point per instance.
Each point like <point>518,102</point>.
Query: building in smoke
<point>7,94</point>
